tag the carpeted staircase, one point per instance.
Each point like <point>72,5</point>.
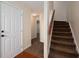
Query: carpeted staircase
<point>62,42</point>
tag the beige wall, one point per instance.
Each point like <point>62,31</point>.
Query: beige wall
<point>33,27</point>
<point>27,28</point>
<point>42,27</point>
<point>73,18</point>
<point>61,10</point>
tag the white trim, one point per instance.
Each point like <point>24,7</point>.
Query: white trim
<point>21,30</point>
<point>42,41</point>
<point>77,48</point>
<point>45,29</point>
<point>26,47</point>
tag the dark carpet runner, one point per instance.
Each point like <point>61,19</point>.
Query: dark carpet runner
<point>62,43</point>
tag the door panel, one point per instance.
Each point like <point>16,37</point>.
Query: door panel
<point>5,24</point>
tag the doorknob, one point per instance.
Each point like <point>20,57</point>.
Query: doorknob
<point>2,31</point>
<point>2,35</point>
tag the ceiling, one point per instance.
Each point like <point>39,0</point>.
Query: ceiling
<point>36,6</point>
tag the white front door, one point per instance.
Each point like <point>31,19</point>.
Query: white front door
<point>10,31</point>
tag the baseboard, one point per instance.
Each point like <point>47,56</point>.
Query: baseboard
<point>77,48</point>
<point>42,41</point>
<point>26,47</point>
<point>33,37</point>
<point>17,54</point>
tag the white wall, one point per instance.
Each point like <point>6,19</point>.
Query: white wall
<point>45,29</point>
<point>42,27</point>
<point>48,9</point>
<point>50,13</point>
<point>26,22</point>
<point>60,10</point>
<point>33,27</point>
<point>73,19</point>
<point>27,28</point>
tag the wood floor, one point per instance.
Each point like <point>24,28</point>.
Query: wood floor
<point>26,55</point>
<point>35,51</point>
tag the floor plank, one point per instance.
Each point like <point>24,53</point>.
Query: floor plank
<point>26,55</point>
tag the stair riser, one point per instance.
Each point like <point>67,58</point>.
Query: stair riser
<point>63,30</point>
<point>62,34</point>
<point>67,40</point>
<point>60,23</point>
<point>59,26</point>
<point>62,45</point>
<point>62,54</point>
<point>59,38</point>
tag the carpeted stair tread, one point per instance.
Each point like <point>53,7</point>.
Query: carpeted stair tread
<point>59,54</point>
<point>64,37</point>
<point>63,45</point>
<point>55,54</point>
<point>64,49</point>
<point>62,42</point>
